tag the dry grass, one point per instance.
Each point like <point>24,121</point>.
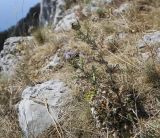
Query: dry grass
<point>129,79</point>
<point>112,75</point>
<point>40,35</point>
<point>8,117</point>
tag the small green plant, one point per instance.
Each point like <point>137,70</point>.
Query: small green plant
<point>84,36</point>
<point>88,96</point>
<point>101,13</point>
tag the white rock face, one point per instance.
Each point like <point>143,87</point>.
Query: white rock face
<point>51,11</point>
<point>10,55</point>
<point>33,113</point>
<point>66,23</point>
<point>149,39</point>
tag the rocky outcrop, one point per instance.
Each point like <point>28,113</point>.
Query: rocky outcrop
<point>66,23</point>
<point>41,106</point>
<point>31,20</point>
<point>10,55</point>
<point>51,11</point>
<point>22,27</point>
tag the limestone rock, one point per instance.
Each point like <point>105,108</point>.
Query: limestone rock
<point>51,11</point>
<point>10,55</point>
<point>31,21</point>
<point>149,39</point>
<point>66,23</point>
<point>53,62</point>
<point>34,117</point>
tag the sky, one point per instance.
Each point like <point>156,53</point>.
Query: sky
<point>11,11</point>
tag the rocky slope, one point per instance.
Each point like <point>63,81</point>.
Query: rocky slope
<point>22,28</point>
<point>94,73</point>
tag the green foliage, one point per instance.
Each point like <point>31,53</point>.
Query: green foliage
<point>84,35</point>
<point>101,13</point>
<point>88,96</point>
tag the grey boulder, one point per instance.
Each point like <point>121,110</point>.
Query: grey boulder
<point>41,106</point>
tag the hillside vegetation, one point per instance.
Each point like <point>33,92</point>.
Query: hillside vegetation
<point>115,81</point>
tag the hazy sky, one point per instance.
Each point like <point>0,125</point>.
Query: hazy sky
<point>13,10</point>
